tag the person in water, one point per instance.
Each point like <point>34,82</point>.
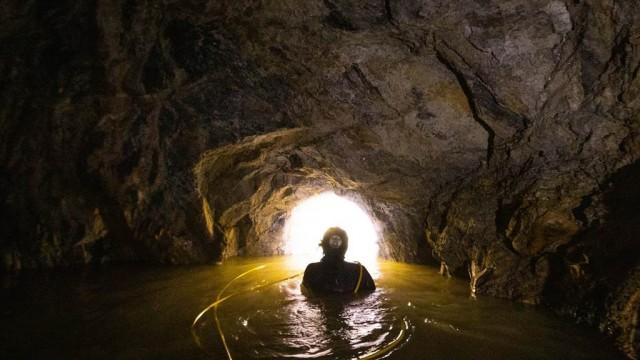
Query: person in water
<point>333,275</point>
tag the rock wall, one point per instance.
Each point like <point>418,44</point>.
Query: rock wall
<point>497,138</point>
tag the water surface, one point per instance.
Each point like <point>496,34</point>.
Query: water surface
<point>144,313</point>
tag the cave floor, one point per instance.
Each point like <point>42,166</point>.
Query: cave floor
<point>143,312</point>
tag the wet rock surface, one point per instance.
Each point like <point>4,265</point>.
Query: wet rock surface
<point>498,139</point>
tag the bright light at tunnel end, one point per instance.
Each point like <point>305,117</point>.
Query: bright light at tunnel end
<point>313,216</point>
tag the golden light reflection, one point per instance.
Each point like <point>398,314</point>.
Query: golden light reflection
<point>271,318</point>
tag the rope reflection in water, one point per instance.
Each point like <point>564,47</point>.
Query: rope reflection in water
<point>332,327</point>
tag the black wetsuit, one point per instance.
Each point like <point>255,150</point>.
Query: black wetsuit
<point>336,277</point>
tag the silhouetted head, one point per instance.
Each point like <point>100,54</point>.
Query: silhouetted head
<point>334,243</point>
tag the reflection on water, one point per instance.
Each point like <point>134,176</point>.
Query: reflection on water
<point>280,322</point>
<point>288,324</point>
<point>133,313</point>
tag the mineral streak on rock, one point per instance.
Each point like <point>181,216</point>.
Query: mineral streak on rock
<point>496,138</point>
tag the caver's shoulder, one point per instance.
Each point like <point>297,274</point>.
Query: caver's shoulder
<point>352,266</point>
<point>312,266</point>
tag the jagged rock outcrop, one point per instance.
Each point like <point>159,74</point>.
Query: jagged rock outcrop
<point>498,138</point>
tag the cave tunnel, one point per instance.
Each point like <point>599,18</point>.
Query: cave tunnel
<point>179,162</point>
<point>310,219</point>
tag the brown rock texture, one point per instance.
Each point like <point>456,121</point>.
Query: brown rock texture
<point>497,138</point>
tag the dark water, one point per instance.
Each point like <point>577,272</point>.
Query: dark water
<point>144,313</point>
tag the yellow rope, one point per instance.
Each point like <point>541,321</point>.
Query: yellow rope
<point>220,299</point>
<point>359,280</point>
<point>219,327</point>
<point>214,305</point>
<point>390,346</point>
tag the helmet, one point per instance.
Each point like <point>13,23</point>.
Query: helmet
<point>335,242</point>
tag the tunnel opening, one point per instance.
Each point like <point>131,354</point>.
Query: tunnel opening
<point>311,217</point>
